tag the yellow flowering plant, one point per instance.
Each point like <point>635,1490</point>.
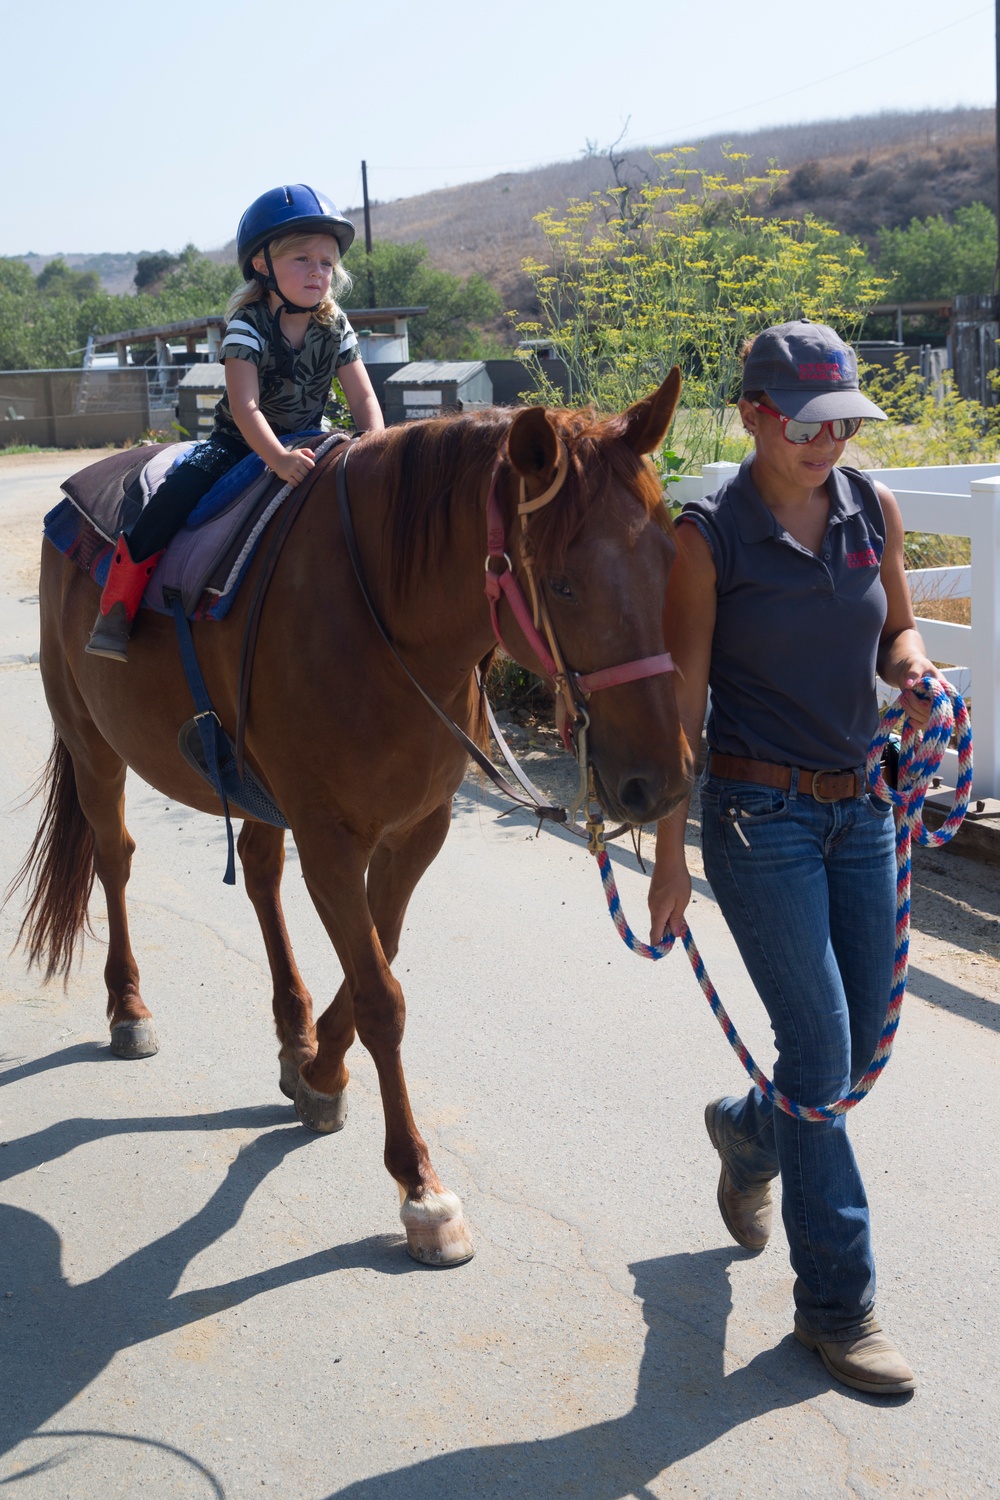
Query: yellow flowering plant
<point>681,270</point>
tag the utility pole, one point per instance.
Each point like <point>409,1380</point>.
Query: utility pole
<point>996,28</point>
<point>368,215</point>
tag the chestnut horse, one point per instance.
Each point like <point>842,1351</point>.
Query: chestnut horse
<point>362,769</point>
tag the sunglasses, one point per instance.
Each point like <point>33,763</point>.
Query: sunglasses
<point>794,431</point>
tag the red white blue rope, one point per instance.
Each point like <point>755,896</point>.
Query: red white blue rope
<point>920,757</point>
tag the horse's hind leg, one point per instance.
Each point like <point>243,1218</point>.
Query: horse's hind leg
<point>100,786</point>
<point>365,929</point>
<point>262,852</point>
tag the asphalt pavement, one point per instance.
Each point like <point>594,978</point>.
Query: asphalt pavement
<point>199,1298</point>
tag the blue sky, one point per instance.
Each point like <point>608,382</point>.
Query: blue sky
<point>129,127</point>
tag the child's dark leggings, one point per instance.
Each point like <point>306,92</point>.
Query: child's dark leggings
<point>180,492</point>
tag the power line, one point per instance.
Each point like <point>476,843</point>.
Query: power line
<point>815,82</point>
<point>486,166</point>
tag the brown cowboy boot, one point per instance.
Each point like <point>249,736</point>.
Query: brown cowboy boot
<point>867,1362</point>
<point>748,1215</point>
<point>120,602</point>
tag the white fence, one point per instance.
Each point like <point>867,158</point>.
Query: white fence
<point>957,500</point>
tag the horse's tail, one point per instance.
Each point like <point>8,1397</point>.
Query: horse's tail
<point>59,870</point>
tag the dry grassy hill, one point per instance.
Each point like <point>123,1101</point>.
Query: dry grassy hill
<point>861,174</point>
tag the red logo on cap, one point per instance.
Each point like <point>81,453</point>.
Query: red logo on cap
<point>828,371</point>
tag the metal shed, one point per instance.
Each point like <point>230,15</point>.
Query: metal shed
<point>431,388</point>
<point>197,394</point>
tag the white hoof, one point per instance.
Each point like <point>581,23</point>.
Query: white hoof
<point>435,1229</point>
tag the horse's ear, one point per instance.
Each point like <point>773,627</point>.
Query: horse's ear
<point>532,443</point>
<point>647,422</point>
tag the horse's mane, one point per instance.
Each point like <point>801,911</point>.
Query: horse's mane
<point>425,469</point>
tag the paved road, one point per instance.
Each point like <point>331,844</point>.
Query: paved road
<point>200,1299</point>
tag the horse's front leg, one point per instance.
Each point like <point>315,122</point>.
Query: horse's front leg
<point>365,930</point>
<point>262,852</point>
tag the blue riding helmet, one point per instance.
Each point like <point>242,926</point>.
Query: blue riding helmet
<point>294,209</point>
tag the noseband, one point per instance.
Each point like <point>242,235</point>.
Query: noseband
<point>574,688</point>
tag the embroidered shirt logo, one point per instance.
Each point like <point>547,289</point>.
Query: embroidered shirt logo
<point>865,559</point>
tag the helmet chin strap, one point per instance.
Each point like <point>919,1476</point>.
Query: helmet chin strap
<point>282,353</point>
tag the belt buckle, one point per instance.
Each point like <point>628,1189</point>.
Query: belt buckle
<point>818,795</point>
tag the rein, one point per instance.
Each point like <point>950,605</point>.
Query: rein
<point>573,688</point>
<point>294,498</point>
<point>920,758</point>
<point>536,803</point>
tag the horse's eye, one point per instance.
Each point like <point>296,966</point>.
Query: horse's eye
<point>560,588</point>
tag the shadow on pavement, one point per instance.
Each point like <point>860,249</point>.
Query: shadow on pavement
<point>66,1057</point>
<point>57,1338</point>
<point>56,1460</point>
<point>684,1402</point>
<point>57,1140</point>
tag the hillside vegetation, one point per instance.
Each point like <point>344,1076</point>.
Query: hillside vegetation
<point>861,175</point>
<point>870,177</point>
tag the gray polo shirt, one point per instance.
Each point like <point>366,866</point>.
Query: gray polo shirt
<point>796,632</point>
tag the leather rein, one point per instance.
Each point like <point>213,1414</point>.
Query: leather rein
<point>574,688</point>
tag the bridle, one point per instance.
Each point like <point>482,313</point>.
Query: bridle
<point>572,688</point>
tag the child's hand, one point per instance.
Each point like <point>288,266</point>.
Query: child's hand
<point>295,465</point>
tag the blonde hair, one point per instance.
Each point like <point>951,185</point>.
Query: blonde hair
<point>329,308</point>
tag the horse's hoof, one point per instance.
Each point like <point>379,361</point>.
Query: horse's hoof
<point>288,1078</point>
<point>436,1233</point>
<point>324,1113</point>
<point>133,1039</point>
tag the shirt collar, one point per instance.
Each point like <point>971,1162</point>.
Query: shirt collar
<point>754,521</point>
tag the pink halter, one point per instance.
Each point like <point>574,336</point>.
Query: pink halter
<point>573,687</point>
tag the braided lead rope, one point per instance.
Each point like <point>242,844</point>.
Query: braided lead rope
<point>920,757</point>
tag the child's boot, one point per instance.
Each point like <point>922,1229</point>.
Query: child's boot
<point>120,602</point>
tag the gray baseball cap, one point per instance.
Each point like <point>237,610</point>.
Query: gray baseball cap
<point>808,372</point>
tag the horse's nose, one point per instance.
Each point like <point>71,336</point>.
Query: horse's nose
<point>640,796</point>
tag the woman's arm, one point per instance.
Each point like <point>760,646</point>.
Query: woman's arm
<point>688,627</point>
<point>902,657</point>
<point>357,387</point>
<point>243,390</point>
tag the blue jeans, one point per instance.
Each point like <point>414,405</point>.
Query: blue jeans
<point>808,892</point>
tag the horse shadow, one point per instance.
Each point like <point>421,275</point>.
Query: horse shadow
<point>684,1402</point>
<point>54,1141</point>
<point>16,1071</point>
<point>57,1337</point>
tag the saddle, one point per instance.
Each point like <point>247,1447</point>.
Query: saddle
<point>197,578</point>
<point>206,560</point>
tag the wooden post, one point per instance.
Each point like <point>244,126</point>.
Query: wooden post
<point>984,533</point>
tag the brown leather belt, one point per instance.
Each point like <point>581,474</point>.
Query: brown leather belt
<point>825,786</point>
